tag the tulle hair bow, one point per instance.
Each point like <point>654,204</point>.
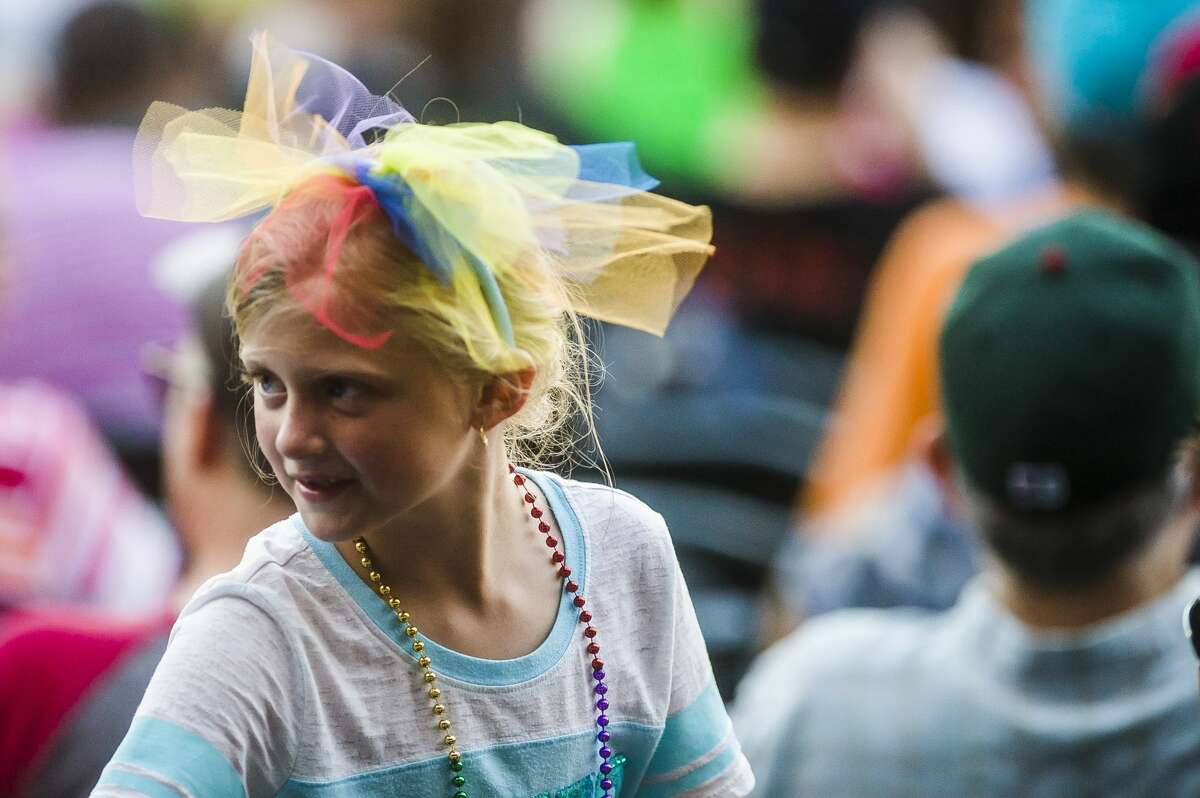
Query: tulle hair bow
<point>469,198</point>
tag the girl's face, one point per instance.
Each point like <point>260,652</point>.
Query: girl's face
<point>359,438</point>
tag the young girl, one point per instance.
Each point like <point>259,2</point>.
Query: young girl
<point>433,621</point>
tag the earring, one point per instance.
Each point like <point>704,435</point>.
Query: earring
<point>483,436</point>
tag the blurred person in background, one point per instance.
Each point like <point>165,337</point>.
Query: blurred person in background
<point>662,73</point>
<point>217,494</point>
<point>1070,364</point>
<point>1069,50</point>
<point>968,107</point>
<point>70,679</point>
<point>876,532</point>
<point>811,187</point>
<point>27,32</point>
<point>76,298</point>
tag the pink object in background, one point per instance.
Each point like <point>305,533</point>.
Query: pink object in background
<point>73,529</point>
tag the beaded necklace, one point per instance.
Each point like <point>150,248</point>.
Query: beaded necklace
<point>458,779</point>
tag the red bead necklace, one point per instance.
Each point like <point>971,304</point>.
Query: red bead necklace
<point>589,632</point>
<point>557,559</point>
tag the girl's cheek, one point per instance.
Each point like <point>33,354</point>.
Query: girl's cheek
<point>264,432</point>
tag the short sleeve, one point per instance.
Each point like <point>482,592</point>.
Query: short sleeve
<point>698,754</point>
<point>222,715</point>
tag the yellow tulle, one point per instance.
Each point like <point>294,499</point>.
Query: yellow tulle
<point>500,191</point>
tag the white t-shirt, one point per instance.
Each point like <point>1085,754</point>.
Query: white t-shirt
<point>289,676</point>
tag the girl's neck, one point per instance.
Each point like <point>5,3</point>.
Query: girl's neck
<point>470,563</point>
<point>453,546</point>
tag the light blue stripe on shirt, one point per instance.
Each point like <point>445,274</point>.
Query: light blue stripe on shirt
<point>178,755</point>
<point>690,779</point>
<point>114,776</point>
<point>692,733</point>
<point>553,766</point>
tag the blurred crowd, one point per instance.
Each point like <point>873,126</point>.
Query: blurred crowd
<point>859,157</point>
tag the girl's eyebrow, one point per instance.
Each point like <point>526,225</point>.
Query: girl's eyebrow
<point>360,375</point>
<point>250,358</point>
<point>351,372</point>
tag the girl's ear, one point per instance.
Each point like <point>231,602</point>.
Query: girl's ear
<point>502,396</point>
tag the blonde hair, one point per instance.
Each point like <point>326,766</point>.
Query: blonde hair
<point>381,285</point>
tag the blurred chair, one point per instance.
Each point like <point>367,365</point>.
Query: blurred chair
<point>721,464</point>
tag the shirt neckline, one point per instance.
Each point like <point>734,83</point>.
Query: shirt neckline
<point>454,664</point>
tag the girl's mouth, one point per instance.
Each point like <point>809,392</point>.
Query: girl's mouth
<point>321,490</point>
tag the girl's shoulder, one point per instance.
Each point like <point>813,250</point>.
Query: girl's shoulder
<point>612,519</point>
<point>616,508</point>
<point>246,619</point>
<point>276,561</point>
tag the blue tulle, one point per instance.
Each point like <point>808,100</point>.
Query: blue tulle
<point>404,212</point>
<point>613,163</point>
<point>408,218</point>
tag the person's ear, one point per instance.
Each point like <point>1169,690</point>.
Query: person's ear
<point>208,433</point>
<point>502,396</point>
<point>931,447</point>
<point>1189,468</point>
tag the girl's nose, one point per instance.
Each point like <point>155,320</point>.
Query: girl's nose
<point>299,434</point>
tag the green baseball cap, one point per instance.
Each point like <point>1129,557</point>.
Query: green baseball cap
<point>1070,363</point>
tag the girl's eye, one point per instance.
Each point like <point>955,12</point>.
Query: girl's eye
<point>338,388</point>
<point>267,384</point>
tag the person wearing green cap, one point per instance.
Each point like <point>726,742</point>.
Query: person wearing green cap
<point>1070,363</point>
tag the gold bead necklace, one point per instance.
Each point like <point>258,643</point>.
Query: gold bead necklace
<point>458,780</point>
